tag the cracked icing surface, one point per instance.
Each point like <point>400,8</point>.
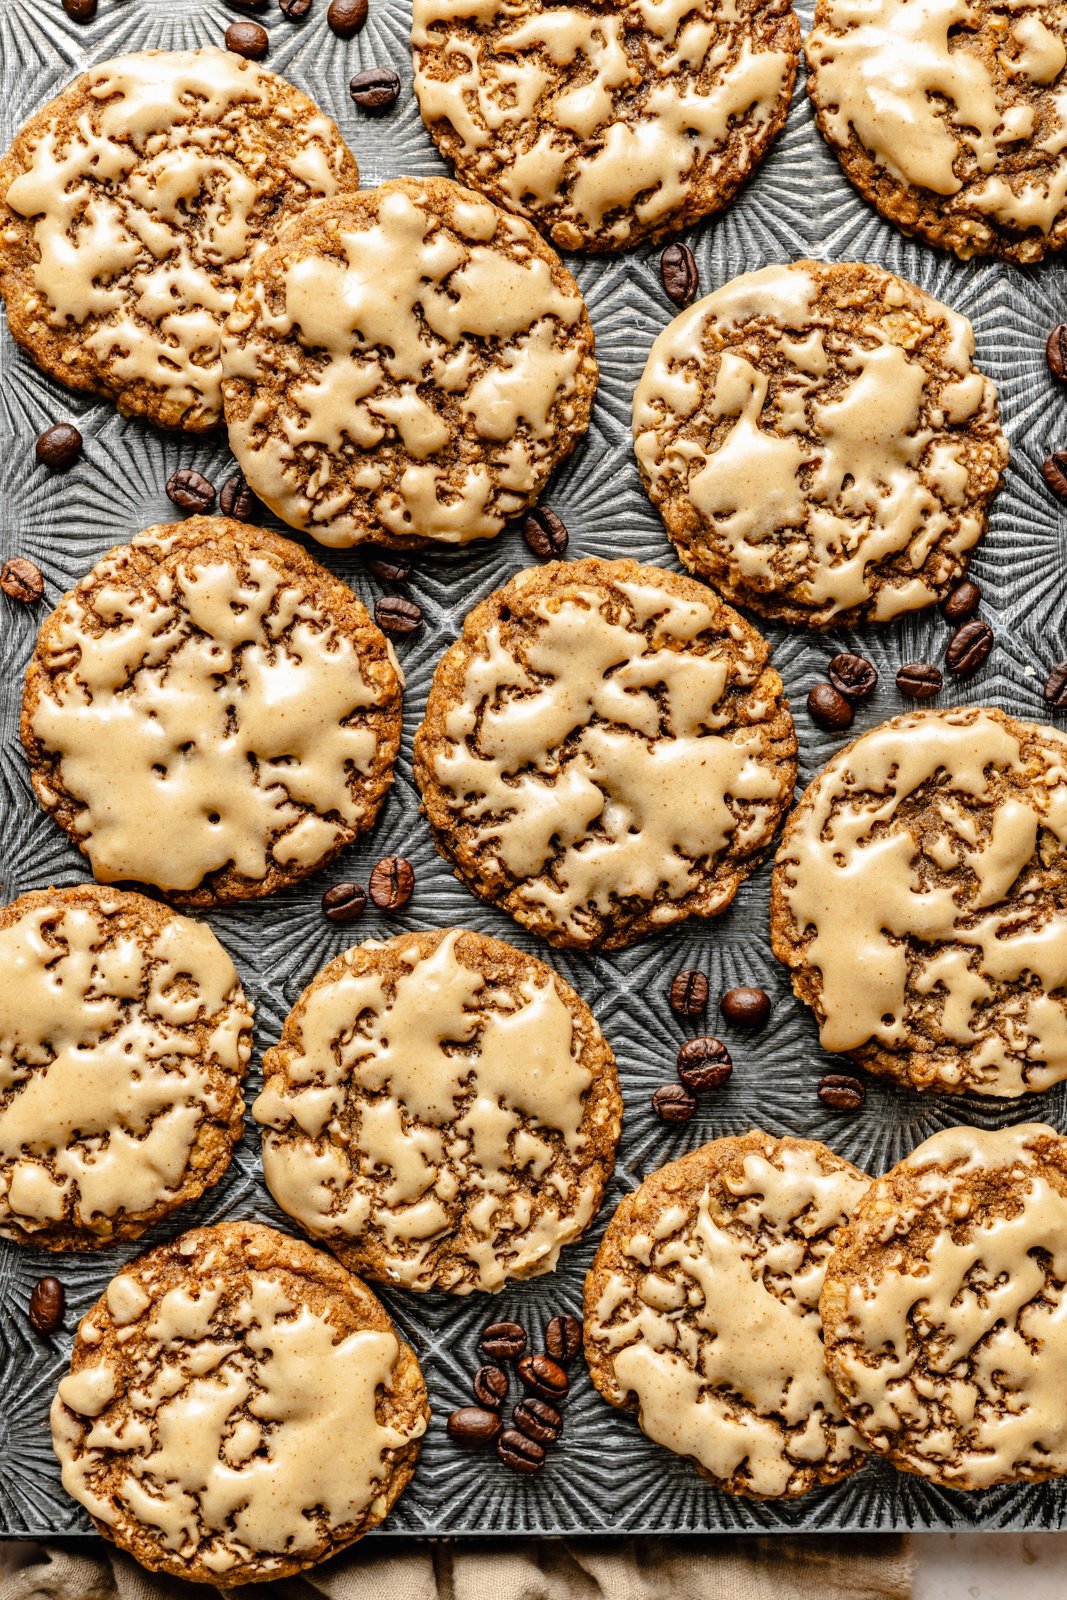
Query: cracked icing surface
<point>238,1408</point>
<point>918,896</point>
<point>606,751</point>
<point>605,124</point>
<point>406,365</point>
<point>701,1310</point>
<point>950,116</point>
<point>945,1308</point>
<point>442,1111</point>
<point>818,442</point>
<point>124,1037</point>
<point>130,207</point>
<point>212,712</point>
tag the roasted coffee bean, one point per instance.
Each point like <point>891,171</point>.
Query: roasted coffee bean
<point>689,992</point>
<point>920,680</point>
<point>546,534</point>
<point>387,567</point>
<point>852,675</point>
<point>236,498</point>
<point>343,902</point>
<point>1054,472</point>
<point>247,5</point>
<point>748,1008</point>
<point>520,1453</point>
<point>543,1377</point>
<point>472,1425</point>
<point>704,1064</point>
<point>563,1338</point>
<point>46,1305</point>
<point>678,273</point>
<point>346,17</point>
<point>395,614</point>
<point>829,708</point>
<point>59,446</point>
<point>190,490</point>
<point>539,1420</point>
<point>490,1386</point>
<point>294,9</point>
<point>1055,690</point>
<point>673,1103</point>
<point>247,39</point>
<point>1056,351</point>
<point>391,883</point>
<point>962,603</point>
<point>80,10</point>
<point>503,1341</point>
<point>376,89</point>
<point>841,1091</point>
<point>21,579</point>
<point>969,648</point>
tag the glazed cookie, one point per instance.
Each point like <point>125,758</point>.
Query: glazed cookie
<point>818,442</point>
<point>606,751</point>
<point>604,125</point>
<point>406,365</point>
<point>212,712</point>
<point>442,1110</point>
<point>919,898</point>
<point>238,1408</point>
<point>701,1311</point>
<point>130,207</point>
<point>944,1309</point>
<point>124,1037</point>
<point>950,119</point>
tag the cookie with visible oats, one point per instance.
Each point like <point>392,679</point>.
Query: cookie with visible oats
<point>819,442</point>
<point>606,751</point>
<point>212,712</point>
<point>406,365</point>
<point>442,1111</point>
<point>943,1309</point>
<point>919,899</point>
<point>701,1312</point>
<point>130,208</point>
<point>238,1408</point>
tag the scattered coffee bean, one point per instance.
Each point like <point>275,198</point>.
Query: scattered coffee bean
<point>843,1092</point>
<point>247,5</point>
<point>678,272</point>
<point>387,567</point>
<point>673,1103</point>
<point>1054,472</point>
<point>46,1305</point>
<point>472,1425</point>
<point>391,883</point>
<point>236,499</point>
<point>962,603</point>
<point>748,1008</point>
<point>969,648</point>
<point>563,1338</point>
<point>376,89</point>
<point>80,10</point>
<point>395,614</point>
<point>294,9</point>
<point>343,902</point>
<point>490,1386</point>
<point>543,1377</point>
<point>21,579</point>
<point>503,1341</point>
<point>704,1064</point>
<point>539,1420</point>
<point>852,675</point>
<point>689,993</point>
<point>546,534</point>
<point>247,39</point>
<point>346,17</point>
<point>829,708</point>
<point>1055,690</point>
<point>920,680</point>
<point>1056,351</point>
<point>520,1453</point>
<point>190,490</point>
<point>59,446</point>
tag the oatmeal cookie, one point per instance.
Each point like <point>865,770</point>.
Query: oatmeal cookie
<point>701,1312</point>
<point>819,444</point>
<point>605,124</point>
<point>238,1408</point>
<point>212,712</point>
<point>919,898</point>
<point>606,751</point>
<point>130,207</point>
<point>442,1111</point>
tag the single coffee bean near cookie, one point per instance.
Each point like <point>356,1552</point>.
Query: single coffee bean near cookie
<point>80,10</point>
<point>294,9</point>
<point>59,446</point>
<point>47,1303</point>
<point>841,1091</point>
<point>343,902</point>
<point>190,490</point>
<point>746,1007</point>
<point>704,1064</point>
<point>474,1425</point>
<point>546,534</point>
<point>20,579</point>
<point>1054,472</point>
<point>689,993</point>
<point>920,680</point>
<point>962,603</point>
<point>395,614</point>
<point>387,566</point>
<point>543,1377</point>
<point>236,498</point>
<point>347,17</point>
<point>1056,351</point>
<point>1055,688</point>
<point>673,1103</point>
<point>490,1386</point>
<point>852,675</point>
<point>392,883</point>
<point>247,39</point>
<point>678,273</point>
<point>520,1453</point>
<point>829,708</point>
<point>969,648</point>
<point>538,1419</point>
<point>563,1338</point>
<point>503,1341</point>
<point>376,89</point>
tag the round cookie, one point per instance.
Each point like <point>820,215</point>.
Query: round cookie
<point>919,898</point>
<point>606,751</point>
<point>406,365</point>
<point>124,1038</point>
<point>818,442</point>
<point>951,120</point>
<point>212,712</point>
<point>130,207</point>
<point>442,1111</point>
<point>605,126</point>
<point>701,1312</point>
<point>238,1408</point>
<point>943,1309</point>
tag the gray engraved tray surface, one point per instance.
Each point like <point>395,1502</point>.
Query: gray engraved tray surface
<point>605,1476</point>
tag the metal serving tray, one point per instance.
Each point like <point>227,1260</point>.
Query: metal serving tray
<point>605,1477</point>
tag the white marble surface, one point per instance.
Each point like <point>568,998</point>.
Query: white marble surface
<point>990,1566</point>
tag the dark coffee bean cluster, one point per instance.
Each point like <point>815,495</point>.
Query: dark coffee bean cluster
<point>47,1304</point>
<point>703,1064</point>
<point>536,1419</point>
<point>678,274</point>
<point>546,534</point>
<point>391,885</point>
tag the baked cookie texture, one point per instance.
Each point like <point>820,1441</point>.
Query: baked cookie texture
<point>124,1038</point>
<point>238,1408</point>
<point>406,365</point>
<point>606,751</point>
<point>130,207</point>
<point>442,1111</point>
<point>944,1309</point>
<point>918,898</point>
<point>701,1312</point>
<point>604,124</point>
<point>819,443</point>
<point>212,712</point>
<point>950,119</point>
